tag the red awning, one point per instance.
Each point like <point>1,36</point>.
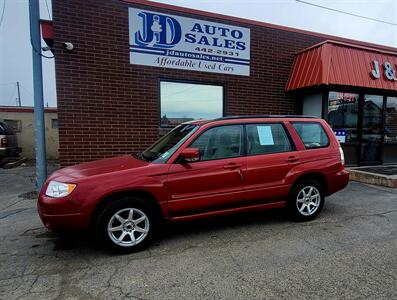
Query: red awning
<point>337,63</point>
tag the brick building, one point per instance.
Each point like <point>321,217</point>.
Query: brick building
<point>112,96</point>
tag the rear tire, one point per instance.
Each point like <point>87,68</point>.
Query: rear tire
<point>126,225</point>
<point>306,200</point>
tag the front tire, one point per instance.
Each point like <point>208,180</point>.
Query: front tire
<point>306,200</point>
<point>126,225</point>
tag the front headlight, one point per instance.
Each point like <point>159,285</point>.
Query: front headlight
<point>58,189</point>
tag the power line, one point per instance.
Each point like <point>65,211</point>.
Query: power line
<point>346,13</point>
<point>2,13</point>
<point>7,83</point>
<point>26,90</point>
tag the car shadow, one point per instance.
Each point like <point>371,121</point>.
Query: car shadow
<point>84,241</point>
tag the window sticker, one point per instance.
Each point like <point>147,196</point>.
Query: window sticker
<point>265,135</point>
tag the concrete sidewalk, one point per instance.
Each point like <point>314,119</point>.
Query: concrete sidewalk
<point>378,175</point>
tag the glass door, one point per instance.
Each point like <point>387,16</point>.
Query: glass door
<point>372,130</point>
<point>343,111</point>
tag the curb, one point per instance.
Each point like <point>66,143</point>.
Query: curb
<point>373,178</point>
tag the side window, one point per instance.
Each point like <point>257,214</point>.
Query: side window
<point>312,135</point>
<point>220,142</point>
<point>267,138</point>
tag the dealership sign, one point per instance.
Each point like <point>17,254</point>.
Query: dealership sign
<point>388,71</point>
<point>169,41</point>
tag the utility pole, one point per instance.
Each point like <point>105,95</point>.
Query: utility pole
<point>19,95</point>
<point>41,162</point>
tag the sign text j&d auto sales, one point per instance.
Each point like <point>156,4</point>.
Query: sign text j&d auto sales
<point>168,41</point>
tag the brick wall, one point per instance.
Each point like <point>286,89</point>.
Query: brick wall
<point>108,107</point>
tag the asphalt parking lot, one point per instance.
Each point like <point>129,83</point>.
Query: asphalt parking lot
<point>350,251</point>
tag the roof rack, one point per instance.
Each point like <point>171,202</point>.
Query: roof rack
<point>265,116</point>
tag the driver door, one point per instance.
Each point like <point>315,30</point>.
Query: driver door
<point>214,182</point>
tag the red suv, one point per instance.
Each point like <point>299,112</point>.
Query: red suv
<point>199,169</point>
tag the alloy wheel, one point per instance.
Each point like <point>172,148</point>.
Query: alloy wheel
<point>308,200</point>
<point>128,227</point>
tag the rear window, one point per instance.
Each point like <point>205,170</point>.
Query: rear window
<point>312,134</point>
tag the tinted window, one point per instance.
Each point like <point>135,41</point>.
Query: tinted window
<point>219,142</point>
<point>312,135</point>
<point>267,138</point>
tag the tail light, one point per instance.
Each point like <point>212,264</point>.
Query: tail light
<point>342,156</point>
<point>3,142</point>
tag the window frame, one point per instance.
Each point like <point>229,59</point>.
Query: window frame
<point>312,122</point>
<point>243,143</point>
<point>198,82</point>
<point>289,137</point>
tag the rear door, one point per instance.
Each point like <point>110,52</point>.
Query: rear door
<point>270,157</point>
<point>214,182</point>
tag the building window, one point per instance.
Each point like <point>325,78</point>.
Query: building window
<point>391,120</point>
<point>312,135</point>
<point>342,114</point>
<point>16,125</point>
<point>54,123</point>
<point>267,138</point>
<point>182,102</point>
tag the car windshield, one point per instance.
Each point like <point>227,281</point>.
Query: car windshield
<point>162,150</point>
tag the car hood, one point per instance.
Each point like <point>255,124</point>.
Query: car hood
<point>98,167</point>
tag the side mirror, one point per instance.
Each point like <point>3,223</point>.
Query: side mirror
<point>190,154</point>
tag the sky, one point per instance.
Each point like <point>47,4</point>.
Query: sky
<point>16,55</point>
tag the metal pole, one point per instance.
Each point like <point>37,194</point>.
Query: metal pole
<point>19,95</point>
<point>41,163</point>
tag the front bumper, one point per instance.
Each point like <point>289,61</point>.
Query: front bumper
<point>61,214</point>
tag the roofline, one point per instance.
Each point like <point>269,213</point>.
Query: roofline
<point>255,23</point>
<point>350,45</point>
<point>26,109</point>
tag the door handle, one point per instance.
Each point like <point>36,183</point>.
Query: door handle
<point>292,159</point>
<point>232,166</point>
